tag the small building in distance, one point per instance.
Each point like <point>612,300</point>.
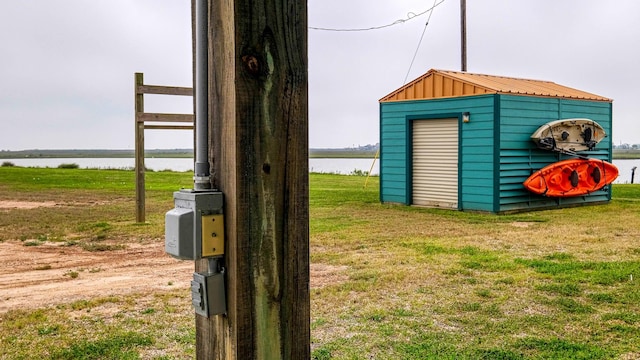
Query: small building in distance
<point>461,141</point>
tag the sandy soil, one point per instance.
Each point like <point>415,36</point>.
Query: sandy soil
<point>5,204</point>
<point>37,276</point>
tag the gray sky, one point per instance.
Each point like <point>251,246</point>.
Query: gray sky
<point>66,80</point>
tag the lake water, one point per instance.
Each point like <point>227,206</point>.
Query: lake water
<point>337,166</point>
<point>624,168</point>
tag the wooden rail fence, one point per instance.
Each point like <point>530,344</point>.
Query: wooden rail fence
<point>157,121</point>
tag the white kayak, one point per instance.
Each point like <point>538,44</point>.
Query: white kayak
<point>569,135</point>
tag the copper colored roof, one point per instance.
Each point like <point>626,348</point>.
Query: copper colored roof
<point>444,83</point>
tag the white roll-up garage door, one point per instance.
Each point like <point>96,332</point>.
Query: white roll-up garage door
<point>435,163</point>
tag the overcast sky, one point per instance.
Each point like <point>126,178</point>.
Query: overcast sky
<point>67,66</point>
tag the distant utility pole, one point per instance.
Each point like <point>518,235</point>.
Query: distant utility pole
<point>258,151</point>
<point>463,33</point>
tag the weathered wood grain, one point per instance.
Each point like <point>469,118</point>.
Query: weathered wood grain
<point>139,150</point>
<point>164,90</point>
<point>161,117</point>
<point>140,118</point>
<point>259,156</point>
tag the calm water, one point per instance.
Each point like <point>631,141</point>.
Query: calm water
<point>624,167</point>
<point>338,166</point>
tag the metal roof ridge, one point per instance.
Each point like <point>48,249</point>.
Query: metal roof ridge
<point>504,85</point>
<point>401,88</point>
<point>551,88</point>
<point>490,76</point>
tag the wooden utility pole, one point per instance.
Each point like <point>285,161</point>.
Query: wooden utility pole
<point>463,33</point>
<point>258,153</point>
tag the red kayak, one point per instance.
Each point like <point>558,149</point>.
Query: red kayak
<point>573,177</point>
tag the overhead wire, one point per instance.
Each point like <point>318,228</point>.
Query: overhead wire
<point>420,41</point>
<point>410,16</point>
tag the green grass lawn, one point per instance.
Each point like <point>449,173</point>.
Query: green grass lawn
<point>396,282</point>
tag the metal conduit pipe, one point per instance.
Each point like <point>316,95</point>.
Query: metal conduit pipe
<point>201,173</point>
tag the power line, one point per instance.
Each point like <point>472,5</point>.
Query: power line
<point>420,42</point>
<point>410,16</point>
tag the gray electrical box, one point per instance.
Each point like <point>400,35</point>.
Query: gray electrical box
<point>208,295</point>
<point>194,229</point>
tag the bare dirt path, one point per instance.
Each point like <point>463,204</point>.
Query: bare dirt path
<point>51,274</point>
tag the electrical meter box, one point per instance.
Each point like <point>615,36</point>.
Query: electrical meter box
<point>194,229</point>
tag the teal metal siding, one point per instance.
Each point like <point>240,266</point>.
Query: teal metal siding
<point>476,143</point>
<point>519,117</point>
<point>496,153</point>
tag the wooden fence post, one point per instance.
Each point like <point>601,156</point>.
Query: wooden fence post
<point>259,155</point>
<point>167,122</point>
<point>139,150</point>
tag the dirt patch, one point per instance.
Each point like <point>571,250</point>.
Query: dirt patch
<point>630,356</point>
<point>4,204</point>
<point>521,224</point>
<point>323,275</point>
<point>52,274</point>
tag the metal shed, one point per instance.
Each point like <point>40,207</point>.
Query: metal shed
<point>462,141</point>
